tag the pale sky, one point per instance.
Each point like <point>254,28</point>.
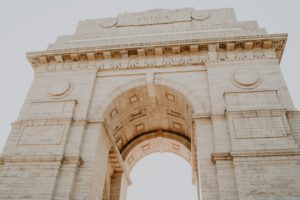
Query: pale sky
<point>32,24</point>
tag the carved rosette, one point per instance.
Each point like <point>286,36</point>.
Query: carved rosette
<point>59,89</point>
<point>245,78</point>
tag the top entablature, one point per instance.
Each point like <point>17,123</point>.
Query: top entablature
<point>205,35</point>
<point>159,25</point>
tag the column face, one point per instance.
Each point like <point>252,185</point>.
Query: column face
<point>268,177</point>
<point>207,170</point>
<point>42,154</point>
<point>118,187</point>
<point>259,135</point>
<point>90,180</point>
<point>223,74</point>
<point>28,180</point>
<point>226,180</point>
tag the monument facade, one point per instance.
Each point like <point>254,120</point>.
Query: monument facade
<point>197,83</point>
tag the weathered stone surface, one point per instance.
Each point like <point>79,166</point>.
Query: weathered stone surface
<point>197,83</point>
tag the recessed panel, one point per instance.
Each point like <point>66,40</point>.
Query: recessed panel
<point>42,135</point>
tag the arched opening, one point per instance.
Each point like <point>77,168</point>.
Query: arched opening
<point>162,176</point>
<point>141,121</point>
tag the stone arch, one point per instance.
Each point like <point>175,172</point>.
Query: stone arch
<point>136,105</point>
<point>146,119</point>
<point>156,142</point>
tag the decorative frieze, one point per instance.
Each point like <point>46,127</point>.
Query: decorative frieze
<point>200,58</point>
<point>188,53</point>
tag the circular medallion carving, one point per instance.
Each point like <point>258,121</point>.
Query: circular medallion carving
<point>199,16</point>
<point>109,23</point>
<point>245,78</point>
<point>60,89</point>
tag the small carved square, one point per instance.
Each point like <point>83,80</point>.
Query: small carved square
<point>146,147</point>
<point>133,99</point>
<point>132,52</point>
<point>170,97</point>
<point>83,56</point>
<point>113,113</point>
<point>185,49</point>
<point>149,51</point>
<point>203,47</point>
<point>257,43</point>
<point>239,44</point>
<point>177,126</point>
<point>167,50</point>
<point>116,54</point>
<point>175,146</point>
<point>130,160</point>
<point>137,114</point>
<point>117,129</point>
<point>139,127</point>
<point>120,142</point>
<point>51,58</point>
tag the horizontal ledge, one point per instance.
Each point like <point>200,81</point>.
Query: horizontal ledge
<point>62,159</point>
<point>107,54</point>
<point>239,154</point>
<point>154,44</point>
<point>201,115</point>
<point>250,91</point>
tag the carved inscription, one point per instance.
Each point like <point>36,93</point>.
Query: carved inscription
<point>154,17</point>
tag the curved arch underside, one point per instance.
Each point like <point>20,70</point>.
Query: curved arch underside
<point>158,141</point>
<point>147,119</point>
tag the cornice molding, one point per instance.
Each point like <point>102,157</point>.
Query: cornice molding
<point>171,53</point>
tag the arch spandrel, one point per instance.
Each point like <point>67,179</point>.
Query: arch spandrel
<point>194,100</point>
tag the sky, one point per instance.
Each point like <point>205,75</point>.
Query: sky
<point>32,24</point>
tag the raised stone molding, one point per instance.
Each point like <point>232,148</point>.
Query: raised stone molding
<point>199,84</point>
<point>199,59</point>
<point>73,160</point>
<point>41,121</point>
<point>53,158</point>
<point>265,153</point>
<point>232,155</point>
<point>148,55</point>
<point>220,156</point>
